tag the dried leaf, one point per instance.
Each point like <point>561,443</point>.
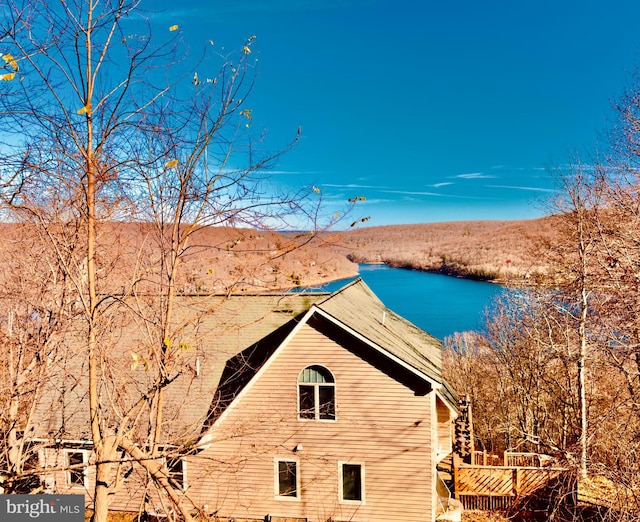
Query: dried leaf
<point>171,163</point>
<point>8,76</point>
<point>84,109</point>
<point>173,28</point>
<point>246,49</point>
<point>11,61</point>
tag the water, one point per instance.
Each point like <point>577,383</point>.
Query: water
<point>439,304</point>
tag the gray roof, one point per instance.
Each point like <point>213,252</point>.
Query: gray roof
<point>212,329</point>
<point>222,334</point>
<point>383,337</point>
<point>357,307</point>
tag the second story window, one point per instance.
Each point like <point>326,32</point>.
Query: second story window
<point>76,462</point>
<point>287,480</point>
<point>177,472</point>
<point>351,477</point>
<point>316,394</point>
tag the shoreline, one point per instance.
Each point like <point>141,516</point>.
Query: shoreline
<point>458,274</point>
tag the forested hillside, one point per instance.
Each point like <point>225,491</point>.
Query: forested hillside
<point>505,251</point>
<point>222,259</point>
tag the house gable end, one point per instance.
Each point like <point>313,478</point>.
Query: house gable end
<point>410,367</point>
<point>243,369</point>
<point>375,357</point>
<point>240,369</point>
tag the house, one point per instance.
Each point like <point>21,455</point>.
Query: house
<point>326,407</point>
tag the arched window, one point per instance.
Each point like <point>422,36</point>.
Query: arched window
<point>316,394</point>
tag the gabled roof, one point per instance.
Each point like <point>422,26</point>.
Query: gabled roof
<point>218,327</point>
<point>357,307</point>
<point>374,332</point>
<point>231,339</point>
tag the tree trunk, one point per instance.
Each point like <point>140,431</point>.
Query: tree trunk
<point>157,471</point>
<point>582,387</point>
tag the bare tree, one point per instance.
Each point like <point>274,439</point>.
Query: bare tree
<point>37,308</point>
<point>522,371</point>
<point>102,125</point>
<point>574,258</point>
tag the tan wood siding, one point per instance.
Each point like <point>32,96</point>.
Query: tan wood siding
<point>445,428</point>
<point>130,497</point>
<point>379,423</point>
<point>55,458</point>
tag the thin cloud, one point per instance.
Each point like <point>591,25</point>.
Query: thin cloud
<point>353,186</point>
<point>515,187</point>
<point>413,193</point>
<point>436,194</point>
<point>475,175</point>
<point>443,184</point>
<point>503,167</point>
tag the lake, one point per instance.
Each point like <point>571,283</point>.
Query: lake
<point>439,304</point>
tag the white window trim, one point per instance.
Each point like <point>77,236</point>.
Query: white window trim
<point>67,473</point>
<point>183,460</point>
<point>342,500</point>
<point>316,401</point>
<point>316,396</point>
<point>276,479</point>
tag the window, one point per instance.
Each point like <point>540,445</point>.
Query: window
<point>351,482</point>
<point>316,394</point>
<point>287,479</point>
<point>76,462</point>
<point>176,469</point>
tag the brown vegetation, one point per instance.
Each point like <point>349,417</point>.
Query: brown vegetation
<point>485,250</point>
<point>224,258</point>
<point>556,369</point>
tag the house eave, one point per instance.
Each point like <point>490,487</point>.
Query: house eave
<point>434,384</point>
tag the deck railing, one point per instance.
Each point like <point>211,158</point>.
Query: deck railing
<point>496,486</point>
<point>510,458</point>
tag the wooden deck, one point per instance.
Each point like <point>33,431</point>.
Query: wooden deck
<point>503,487</point>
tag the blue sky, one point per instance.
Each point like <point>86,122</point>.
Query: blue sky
<point>433,111</point>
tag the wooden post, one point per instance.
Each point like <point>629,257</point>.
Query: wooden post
<point>456,466</point>
<point>515,480</point>
<point>472,445</point>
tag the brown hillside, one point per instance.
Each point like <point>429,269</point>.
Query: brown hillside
<point>224,259</point>
<point>487,250</point>
<point>217,260</point>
